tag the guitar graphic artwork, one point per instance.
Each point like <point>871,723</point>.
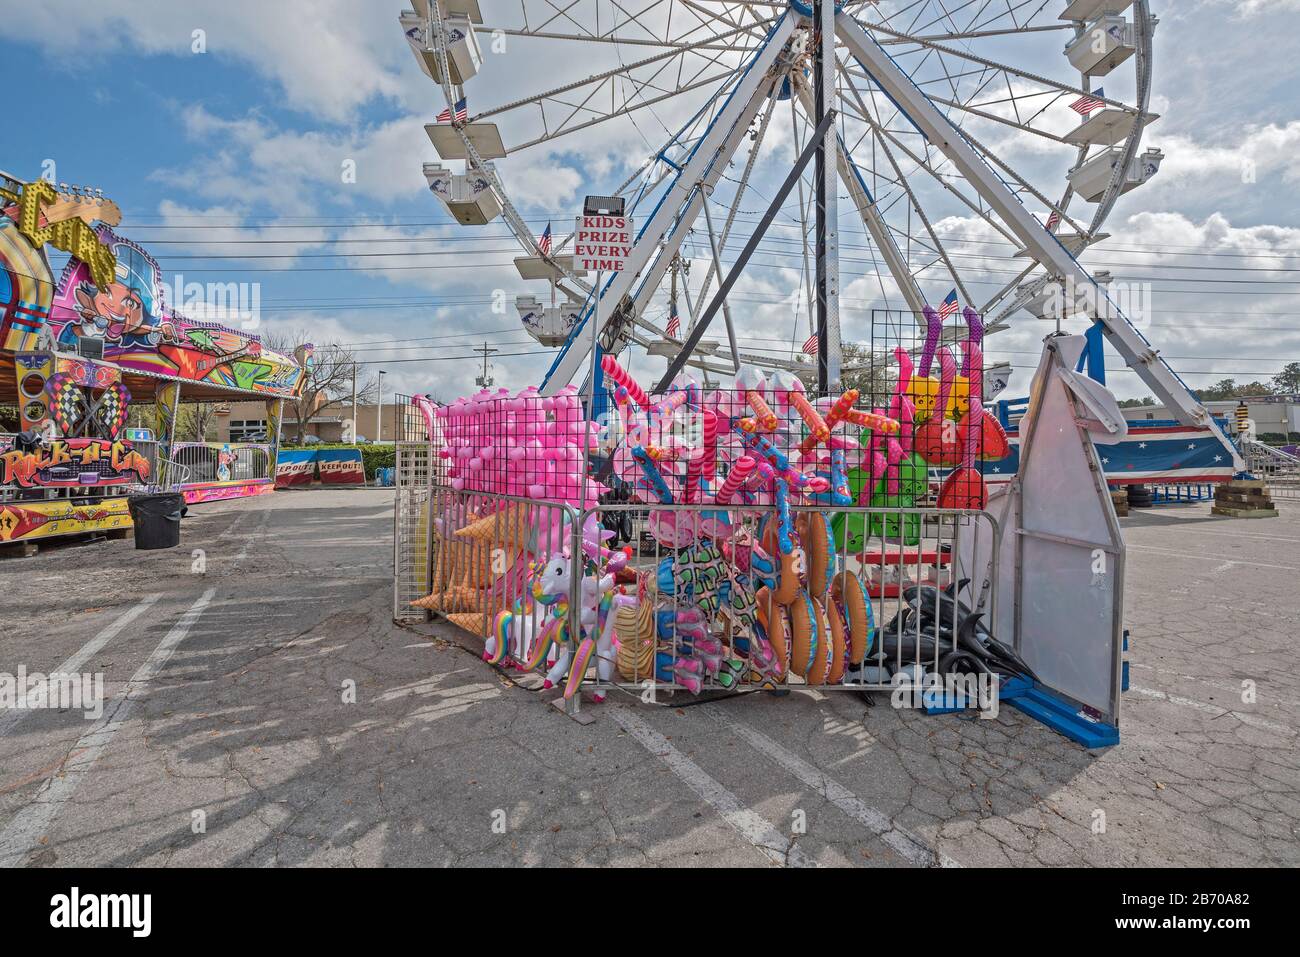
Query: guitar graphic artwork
<point>202,355</point>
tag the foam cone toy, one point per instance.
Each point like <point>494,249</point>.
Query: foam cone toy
<point>476,623</point>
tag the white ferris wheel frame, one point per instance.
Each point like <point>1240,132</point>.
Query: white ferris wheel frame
<point>663,233</point>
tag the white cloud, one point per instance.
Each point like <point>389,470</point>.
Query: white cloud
<point>1267,149</point>
<point>328,56</point>
<point>249,160</point>
<point>1250,8</point>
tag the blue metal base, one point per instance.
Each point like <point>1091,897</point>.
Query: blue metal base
<point>1041,705</point>
<point>1062,717</point>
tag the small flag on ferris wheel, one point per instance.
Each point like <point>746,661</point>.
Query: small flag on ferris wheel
<point>1084,105</point>
<point>462,113</point>
<point>949,306</point>
<point>544,243</point>
<point>674,325</point>
<point>810,345</point>
<point>1053,220</point>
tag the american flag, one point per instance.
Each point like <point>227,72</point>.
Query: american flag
<point>544,244</point>
<point>674,325</point>
<point>810,345</point>
<point>1053,220</point>
<point>1084,105</point>
<point>949,306</point>
<point>462,113</point>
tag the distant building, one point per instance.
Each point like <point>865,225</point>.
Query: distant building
<point>331,422</point>
<point>1273,414</point>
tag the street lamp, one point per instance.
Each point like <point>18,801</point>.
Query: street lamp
<point>379,410</point>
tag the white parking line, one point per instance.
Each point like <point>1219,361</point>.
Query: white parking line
<point>1242,716</point>
<point>752,826</point>
<point>13,718</point>
<point>32,822</point>
<point>248,540</point>
<point>910,847</point>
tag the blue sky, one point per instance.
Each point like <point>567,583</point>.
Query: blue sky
<point>248,140</point>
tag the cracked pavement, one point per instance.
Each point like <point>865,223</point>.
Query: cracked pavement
<point>242,746</point>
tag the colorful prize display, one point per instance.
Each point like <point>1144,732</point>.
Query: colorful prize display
<point>759,502</point>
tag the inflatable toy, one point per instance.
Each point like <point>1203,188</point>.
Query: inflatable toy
<point>922,388</point>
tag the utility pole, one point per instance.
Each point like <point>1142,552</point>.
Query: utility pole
<point>379,410</point>
<point>484,380</point>
<point>354,403</point>
<point>827,186</point>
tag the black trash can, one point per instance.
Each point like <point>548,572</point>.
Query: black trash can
<point>157,517</point>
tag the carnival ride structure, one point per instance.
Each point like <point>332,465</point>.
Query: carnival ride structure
<point>77,350</point>
<point>942,113</point>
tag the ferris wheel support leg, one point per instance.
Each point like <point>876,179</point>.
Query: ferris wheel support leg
<point>740,108</point>
<point>1041,244</point>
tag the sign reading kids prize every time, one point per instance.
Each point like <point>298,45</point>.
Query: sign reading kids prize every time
<point>602,243</point>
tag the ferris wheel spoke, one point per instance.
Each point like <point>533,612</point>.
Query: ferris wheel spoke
<point>977,34</point>
<point>1005,291</point>
<point>615,41</point>
<point>883,137</point>
<point>945,182</point>
<point>561,13</point>
<point>622,70</point>
<point>994,118</point>
<point>996,65</point>
<point>566,127</point>
<point>925,222</point>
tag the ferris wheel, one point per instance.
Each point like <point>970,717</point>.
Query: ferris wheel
<point>982,146</point>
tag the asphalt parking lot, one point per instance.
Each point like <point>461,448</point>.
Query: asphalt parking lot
<point>261,708</point>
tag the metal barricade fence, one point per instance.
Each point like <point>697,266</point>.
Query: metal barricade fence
<point>223,462</point>
<point>842,622</point>
<point>1280,470</point>
<point>413,545</point>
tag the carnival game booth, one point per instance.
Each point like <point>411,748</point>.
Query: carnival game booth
<point>77,351</point>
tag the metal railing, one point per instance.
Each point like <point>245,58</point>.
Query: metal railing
<point>207,462</point>
<point>218,462</point>
<point>1280,470</point>
<point>731,608</point>
<point>413,546</point>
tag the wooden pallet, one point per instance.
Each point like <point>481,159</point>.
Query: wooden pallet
<point>1243,498</point>
<point>1230,512</point>
<point>1119,497</point>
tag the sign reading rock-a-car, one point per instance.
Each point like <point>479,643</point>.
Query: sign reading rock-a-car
<point>602,243</point>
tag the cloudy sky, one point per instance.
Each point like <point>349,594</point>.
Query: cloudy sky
<point>231,162</point>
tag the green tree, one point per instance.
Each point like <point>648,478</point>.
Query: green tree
<point>864,370</point>
<point>1231,389</point>
<point>1287,382</point>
